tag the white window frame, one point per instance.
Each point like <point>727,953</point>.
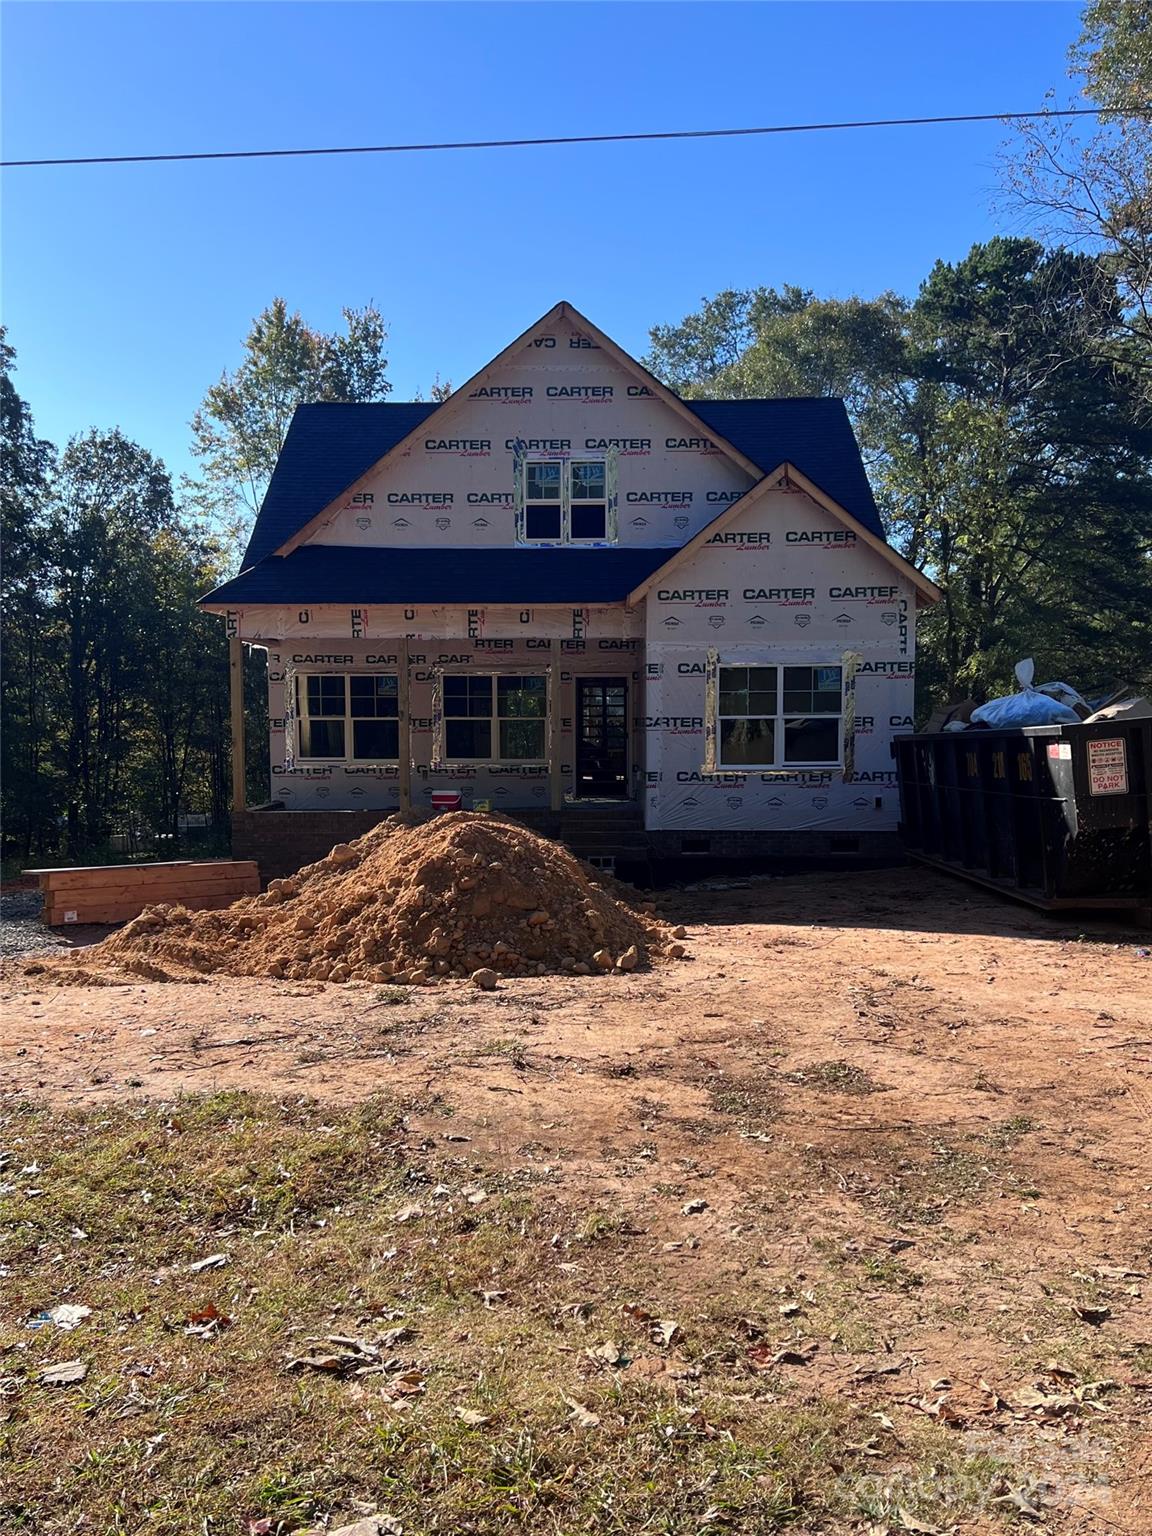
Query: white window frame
<point>494,719</point>
<point>780,717</point>
<point>303,718</point>
<point>565,502</point>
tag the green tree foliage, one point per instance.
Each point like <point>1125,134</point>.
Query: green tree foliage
<point>241,424</point>
<point>116,685</point>
<point>26,465</point>
<point>1007,455</point>
<point>1040,518</point>
<point>1114,54</point>
<point>110,501</point>
<point>1093,191</point>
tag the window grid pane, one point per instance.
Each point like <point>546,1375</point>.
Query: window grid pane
<point>748,691</point>
<point>543,482</point>
<point>589,521</point>
<point>468,739</point>
<point>812,740</point>
<point>374,696</point>
<point>324,695</point>
<point>522,697</point>
<point>467,697</point>
<point>375,740</point>
<point>323,737</point>
<point>542,522</point>
<point>588,482</point>
<point>747,742</point>
<point>522,740</point>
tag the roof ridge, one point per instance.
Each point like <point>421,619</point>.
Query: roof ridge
<point>311,405</point>
<point>689,400</point>
<point>763,399</point>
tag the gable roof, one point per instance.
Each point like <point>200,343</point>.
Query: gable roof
<point>326,448</point>
<point>339,573</point>
<point>563,312</point>
<point>788,477</point>
<point>329,447</point>
<point>812,433</point>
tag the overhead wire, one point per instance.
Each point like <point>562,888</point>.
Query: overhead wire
<point>579,138</point>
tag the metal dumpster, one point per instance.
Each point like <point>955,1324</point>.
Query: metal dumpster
<point>1056,815</point>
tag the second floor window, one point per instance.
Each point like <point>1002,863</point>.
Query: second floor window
<point>565,501</point>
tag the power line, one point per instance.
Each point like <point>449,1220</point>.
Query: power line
<point>583,138</point>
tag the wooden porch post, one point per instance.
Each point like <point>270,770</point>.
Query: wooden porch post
<point>404,748</point>
<point>555,765</point>
<point>236,700</point>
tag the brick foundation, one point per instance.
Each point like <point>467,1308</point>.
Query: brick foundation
<point>282,841</point>
<point>812,845</point>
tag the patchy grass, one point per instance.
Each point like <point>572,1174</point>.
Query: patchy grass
<point>390,1330</point>
<point>836,1077</point>
<point>752,1102</point>
<point>1011,1131</point>
<point>506,1046</point>
<point>918,1180</point>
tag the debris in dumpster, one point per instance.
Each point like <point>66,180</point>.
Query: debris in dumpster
<point>1048,704</point>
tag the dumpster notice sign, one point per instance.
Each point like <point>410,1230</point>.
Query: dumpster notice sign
<point>1107,767</point>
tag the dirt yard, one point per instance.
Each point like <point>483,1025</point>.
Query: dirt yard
<point>843,1222</point>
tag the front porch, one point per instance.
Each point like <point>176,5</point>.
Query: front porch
<point>519,726</point>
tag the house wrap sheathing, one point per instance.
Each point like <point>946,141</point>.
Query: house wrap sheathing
<point>564,585</point>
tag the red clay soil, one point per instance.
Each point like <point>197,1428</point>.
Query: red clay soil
<point>916,1117</point>
<point>412,902</point>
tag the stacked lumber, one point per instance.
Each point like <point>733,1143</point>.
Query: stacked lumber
<point>113,893</point>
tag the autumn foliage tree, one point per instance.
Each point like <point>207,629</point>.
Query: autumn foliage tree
<point>240,426</point>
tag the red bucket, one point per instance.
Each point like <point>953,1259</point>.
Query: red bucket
<point>446,799</point>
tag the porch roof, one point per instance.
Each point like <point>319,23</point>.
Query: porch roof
<point>338,573</point>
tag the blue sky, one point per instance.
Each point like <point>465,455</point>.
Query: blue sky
<point>127,289</point>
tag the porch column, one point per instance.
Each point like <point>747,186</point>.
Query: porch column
<point>236,702</point>
<point>404,747</point>
<point>555,766</point>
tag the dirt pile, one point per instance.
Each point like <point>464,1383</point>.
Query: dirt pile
<point>408,903</point>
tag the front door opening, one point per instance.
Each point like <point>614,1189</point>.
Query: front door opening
<point>602,737</point>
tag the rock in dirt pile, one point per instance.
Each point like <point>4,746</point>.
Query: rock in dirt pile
<point>460,895</point>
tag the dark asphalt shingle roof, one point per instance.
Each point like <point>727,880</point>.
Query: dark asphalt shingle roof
<point>329,446</point>
<point>337,573</point>
<point>326,448</point>
<point>813,434</point>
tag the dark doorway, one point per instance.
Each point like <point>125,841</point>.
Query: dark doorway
<point>602,737</point>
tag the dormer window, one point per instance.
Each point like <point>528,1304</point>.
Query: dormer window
<point>565,501</point>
